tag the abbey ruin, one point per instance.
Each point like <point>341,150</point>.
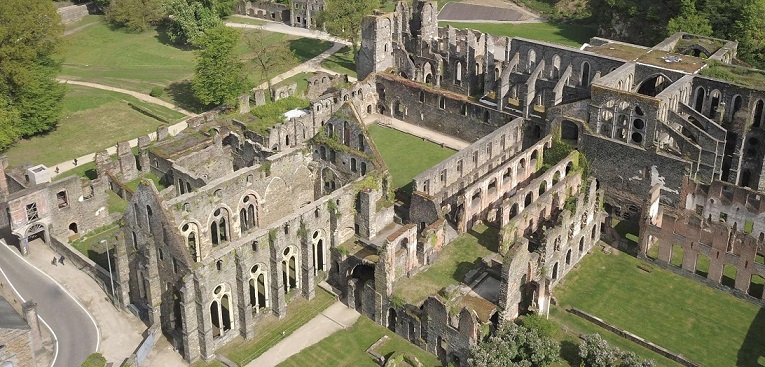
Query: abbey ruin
<point>563,142</point>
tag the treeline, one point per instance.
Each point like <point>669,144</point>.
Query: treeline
<point>647,22</point>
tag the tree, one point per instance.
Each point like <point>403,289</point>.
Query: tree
<point>268,55</point>
<point>135,15</point>
<point>689,20</point>
<point>342,19</point>
<point>189,19</point>
<point>30,96</point>
<point>219,77</point>
<point>515,346</point>
<point>596,352</point>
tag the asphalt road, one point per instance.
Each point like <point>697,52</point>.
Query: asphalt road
<point>76,332</point>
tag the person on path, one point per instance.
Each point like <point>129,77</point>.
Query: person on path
<point>75,161</point>
<point>53,262</point>
<point>61,260</point>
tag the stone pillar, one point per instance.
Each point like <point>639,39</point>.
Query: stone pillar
<point>278,302</point>
<point>121,271</point>
<point>154,290</point>
<point>162,132</point>
<point>245,310</point>
<point>143,153</point>
<point>307,270</point>
<point>30,315</point>
<point>244,104</point>
<point>190,322</point>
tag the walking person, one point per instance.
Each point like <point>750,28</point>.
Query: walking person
<point>61,260</point>
<point>75,161</point>
<point>53,262</point>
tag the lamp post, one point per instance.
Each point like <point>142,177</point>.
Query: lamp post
<point>109,262</point>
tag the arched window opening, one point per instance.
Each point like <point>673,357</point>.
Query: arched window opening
<point>585,74</point>
<point>219,230</point>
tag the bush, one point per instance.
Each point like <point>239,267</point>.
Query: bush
<point>157,92</point>
<point>95,360</point>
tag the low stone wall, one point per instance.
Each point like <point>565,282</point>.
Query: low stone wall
<point>82,262</point>
<point>706,281</point>
<point>73,13</point>
<point>634,338</point>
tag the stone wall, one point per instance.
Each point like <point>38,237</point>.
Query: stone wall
<point>73,13</point>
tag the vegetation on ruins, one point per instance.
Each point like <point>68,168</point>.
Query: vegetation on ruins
<point>220,76</point>
<point>271,114</point>
<point>267,56</point>
<point>30,96</point>
<point>515,345</point>
<point>135,15</point>
<point>342,19</point>
<point>595,352</point>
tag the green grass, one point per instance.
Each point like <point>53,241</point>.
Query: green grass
<point>300,80</point>
<point>82,23</point>
<point>702,323</point>
<point>264,117</point>
<point>142,61</point>
<point>243,20</point>
<point>565,34</point>
<point>272,330</point>
<point>677,256</point>
<point>347,348</point>
<point>406,155</point>
<point>92,120</point>
<point>454,261</point>
<point>116,203</point>
<point>90,245</point>
<point>342,62</point>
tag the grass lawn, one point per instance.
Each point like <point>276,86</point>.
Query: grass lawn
<point>454,261</point>
<point>272,331</point>
<point>341,62</point>
<point>92,120</point>
<point>406,155</point>
<point>91,245</point>
<point>243,20</point>
<point>300,80</point>
<point>704,324</point>
<point>142,61</point>
<point>133,185</point>
<point>565,34</point>
<point>347,348</point>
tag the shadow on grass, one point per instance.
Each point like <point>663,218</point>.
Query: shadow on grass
<point>307,48</point>
<point>183,96</point>
<point>489,238</point>
<point>343,58</point>
<point>752,354</point>
<point>569,351</point>
<point>99,258</point>
<point>404,194</point>
<point>463,268</point>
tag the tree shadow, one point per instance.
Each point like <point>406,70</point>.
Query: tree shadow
<point>164,38</point>
<point>489,238</point>
<point>751,353</point>
<point>183,95</point>
<point>569,351</point>
<point>308,48</point>
<point>463,268</point>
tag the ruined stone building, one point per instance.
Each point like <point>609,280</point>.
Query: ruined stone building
<point>562,142</point>
<point>20,340</point>
<point>296,13</point>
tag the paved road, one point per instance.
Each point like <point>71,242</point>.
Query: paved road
<point>75,331</point>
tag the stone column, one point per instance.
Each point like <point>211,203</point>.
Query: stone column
<point>245,310</point>
<point>190,322</point>
<point>121,272</point>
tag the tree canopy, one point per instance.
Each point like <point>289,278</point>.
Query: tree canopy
<point>189,19</point>
<point>342,19</point>
<point>30,96</point>
<point>595,352</point>
<point>219,77</point>
<point>267,55</point>
<point>135,15</point>
<point>515,346</point>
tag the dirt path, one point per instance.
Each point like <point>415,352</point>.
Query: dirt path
<point>308,66</point>
<point>427,134</point>
<point>141,96</point>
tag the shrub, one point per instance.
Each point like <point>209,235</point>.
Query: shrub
<point>157,92</point>
<point>95,360</point>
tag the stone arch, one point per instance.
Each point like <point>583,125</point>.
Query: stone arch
<point>290,268</point>
<point>698,100</point>
<point>758,118</point>
<point>714,103</point>
<point>258,287</point>
<point>736,105</point>
<point>531,60</point>
<point>427,73</point>
<point>391,319</point>
<point>568,257</point>
<point>73,228</point>
<point>569,130</point>
<point>221,310</point>
<point>220,220</point>
<point>555,271</point>
<point>585,74</point>
<point>190,232</point>
<point>653,84</point>
<point>458,74</point>
<point>34,232</point>
<point>248,212</point>
<point>320,253</point>
<point>555,67</point>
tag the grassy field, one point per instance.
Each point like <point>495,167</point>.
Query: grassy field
<point>346,348</point>
<point>142,61</point>
<point>570,35</point>
<point>89,113</point>
<point>454,261</point>
<point>704,324</point>
<point>341,62</point>
<point>273,330</point>
<point>243,20</point>
<point>406,155</point>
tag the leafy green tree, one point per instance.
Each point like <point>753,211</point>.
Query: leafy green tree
<point>267,55</point>
<point>342,19</point>
<point>189,19</point>
<point>689,20</point>
<point>220,76</point>
<point>135,15</point>
<point>221,7</point>
<point>30,96</point>
<point>515,346</point>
